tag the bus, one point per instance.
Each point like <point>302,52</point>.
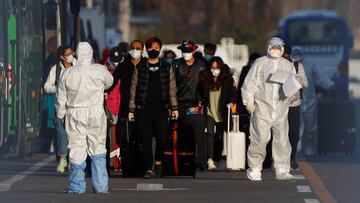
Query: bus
<point>325,39</point>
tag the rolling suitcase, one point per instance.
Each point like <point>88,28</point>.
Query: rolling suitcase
<point>130,151</point>
<point>235,146</point>
<point>179,155</point>
<point>336,127</point>
<point>114,149</point>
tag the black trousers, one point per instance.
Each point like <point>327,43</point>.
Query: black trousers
<point>149,125</point>
<point>294,129</point>
<point>194,125</point>
<point>216,134</point>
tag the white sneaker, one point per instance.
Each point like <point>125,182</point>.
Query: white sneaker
<point>211,164</point>
<point>284,176</point>
<point>62,165</point>
<point>254,174</point>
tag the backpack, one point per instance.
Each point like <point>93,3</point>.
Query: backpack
<point>296,64</point>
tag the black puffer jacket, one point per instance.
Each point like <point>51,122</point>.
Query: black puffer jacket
<point>140,82</point>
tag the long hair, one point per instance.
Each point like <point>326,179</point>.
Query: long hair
<point>207,78</point>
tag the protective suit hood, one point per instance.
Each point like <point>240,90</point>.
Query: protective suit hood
<point>275,42</point>
<point>297,54</point>
<point>84,53</point>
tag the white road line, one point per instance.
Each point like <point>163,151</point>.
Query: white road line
<point>311,201</point>
<point>164,189</point>
<point>299,177</point>
<point>303,188</point>
<point>6,184</point>
<point>151,187</point>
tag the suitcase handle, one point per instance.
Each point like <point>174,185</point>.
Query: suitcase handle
<point>236,123</point>
<point>228,120</point>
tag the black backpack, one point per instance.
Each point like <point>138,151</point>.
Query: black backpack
<point>296,64</point>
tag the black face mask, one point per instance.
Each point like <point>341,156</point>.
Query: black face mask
<point>153,53</point>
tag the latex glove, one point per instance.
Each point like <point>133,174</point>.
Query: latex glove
<point>250,107</point>
<point>115,119</point>
<point>131,116</point>
<point>175,115</point>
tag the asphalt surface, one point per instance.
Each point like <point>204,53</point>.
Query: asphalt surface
<point>45,185</point>
<point>331,178</point>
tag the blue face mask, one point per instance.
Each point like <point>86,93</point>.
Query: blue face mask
<point>170,60</point>
<point>208,57</point>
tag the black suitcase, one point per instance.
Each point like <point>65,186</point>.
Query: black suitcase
<point>179,155</point>
<point>336,127</point>
<point>130,150</point>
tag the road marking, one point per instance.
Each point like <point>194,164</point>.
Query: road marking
<point>164,189</point>
<point>318,186</point>
<point>6,184</point>
<point>299,177</point>
<point>151,187</point>
<point>311,201</point>
<point>303,188</point>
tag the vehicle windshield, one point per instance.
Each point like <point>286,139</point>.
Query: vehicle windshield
<point>315,32</point>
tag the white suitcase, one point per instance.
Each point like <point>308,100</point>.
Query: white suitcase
<point>235,146</point>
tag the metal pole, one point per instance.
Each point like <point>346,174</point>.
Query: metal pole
<point>6,68</point>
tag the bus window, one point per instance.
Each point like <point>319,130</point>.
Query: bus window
<point>314,32</point>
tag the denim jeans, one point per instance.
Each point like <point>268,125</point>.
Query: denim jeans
<point>62,138</point>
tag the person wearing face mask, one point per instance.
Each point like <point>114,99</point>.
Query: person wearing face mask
<point>218,91</point>
<point>209,51</point>
<point>269,112</point>
<point>308,108</point>
<point>124,73</point>
<point>66,60</point>
<point>80,101</point>
<point>152,97</point>
<point>113,98</point>
<point>187,69</point>
<point>169,56</point>
<point>294,110</point>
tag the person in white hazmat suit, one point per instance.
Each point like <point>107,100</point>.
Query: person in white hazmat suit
<point>80,98</point>
<point>269,108</point>
<point>308,113</point>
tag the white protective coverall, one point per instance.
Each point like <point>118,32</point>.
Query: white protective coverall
<point>308,116</point>
<point>270,115</point>
<point>80,100</point>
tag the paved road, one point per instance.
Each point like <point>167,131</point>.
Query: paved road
<point>44,185</point>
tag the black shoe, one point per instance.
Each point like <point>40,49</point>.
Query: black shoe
<point>149,174</point>
<point>294,166</point>
<point>158,170</point>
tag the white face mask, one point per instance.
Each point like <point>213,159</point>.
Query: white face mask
<point>116,64</point>
<point>275,53</point>
<point>69,59</point>
<point>187,56</point>
<point>215,72</point>
<point>135,54</point>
